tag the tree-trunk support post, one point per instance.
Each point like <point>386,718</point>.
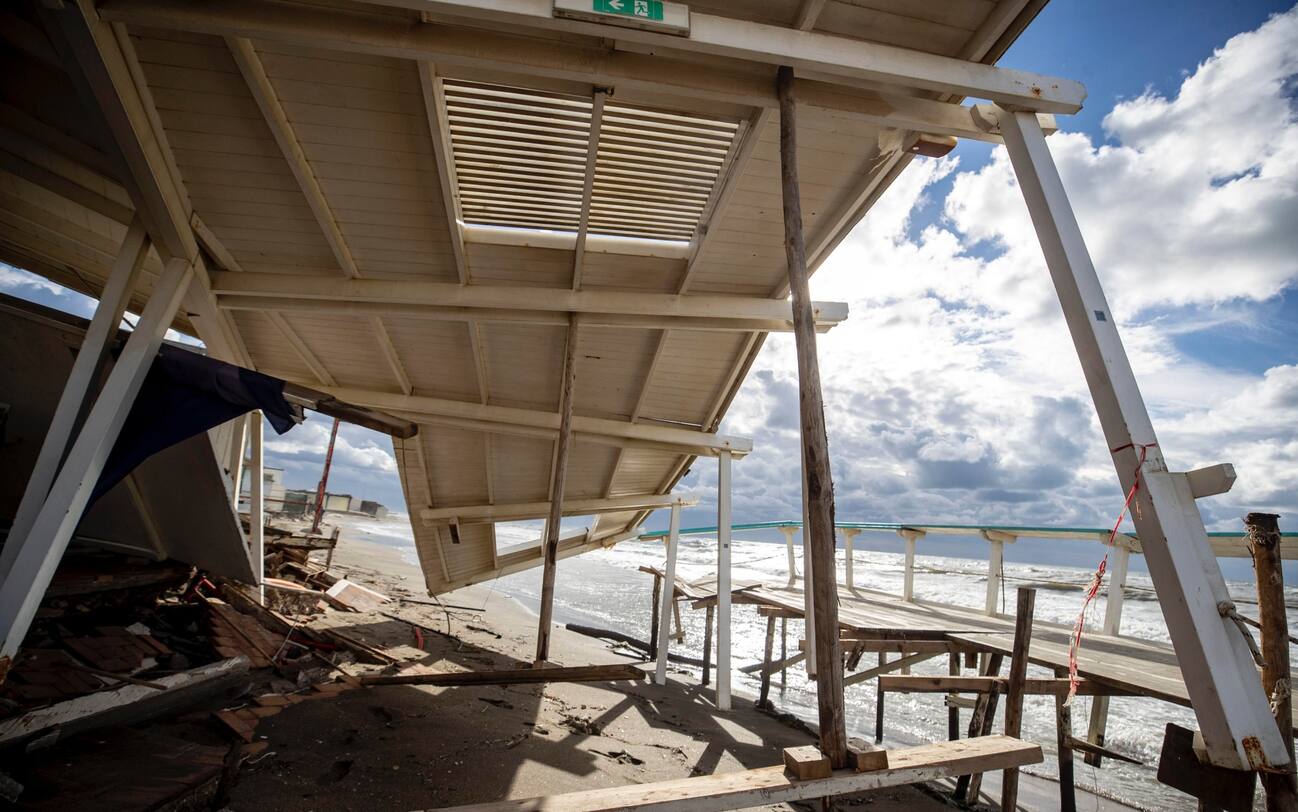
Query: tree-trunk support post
<point>1234,716</point>
<point>1262,531</point>
<point>763,699</point>
<point>952,712</point>
<point>663,638</point>
<point>1063,744</point>
<point>655,598</point>
<point>815,443</point>
<point>968,787</point>
<point>557,478</point>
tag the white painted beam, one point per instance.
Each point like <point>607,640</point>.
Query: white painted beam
<point>34,566</point>
<point>257,503</point>
<point>264,291</point>
<point>485,416</point>
<point>591,64</point>
<point>588,184</point>
<point>723,580</point>
<point>78,391</point>
<point>263,92</point>
<point>439,131</point>
<point>518,511</point>
<point>390,353</point>
<point>846,60</point>
<point>1232,709</point>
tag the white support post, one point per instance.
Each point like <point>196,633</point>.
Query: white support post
<point>793,561</point>
<point>1119,559</point>
<point>1234,717</point>
<point>234,458</point>
<point>849,534</point>
<point>34,566</point>
<point>79,389</point>
<point>995,571</point>
<point>723,581</point>
<point>669,595</point>
<point>257,505</point>
<point>908,577</point>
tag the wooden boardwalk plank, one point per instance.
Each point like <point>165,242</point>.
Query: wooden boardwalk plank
<point>768,785</point>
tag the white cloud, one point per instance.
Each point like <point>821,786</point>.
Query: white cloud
<point>954,392</point>
<point>16,279</point>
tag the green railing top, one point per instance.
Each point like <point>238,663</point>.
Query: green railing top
<point>952,529</point>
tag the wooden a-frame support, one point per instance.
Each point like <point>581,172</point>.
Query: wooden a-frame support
<point>1234,717</point>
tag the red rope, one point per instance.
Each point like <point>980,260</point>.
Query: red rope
<point>1097,579</point>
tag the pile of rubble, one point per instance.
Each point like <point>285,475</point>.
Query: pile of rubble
<point>121,641</point>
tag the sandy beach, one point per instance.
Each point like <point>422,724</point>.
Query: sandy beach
<point>404,747</point>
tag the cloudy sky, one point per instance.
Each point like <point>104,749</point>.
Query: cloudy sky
<point>953,392</point>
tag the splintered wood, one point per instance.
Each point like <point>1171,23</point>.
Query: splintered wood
<point>234,633</point>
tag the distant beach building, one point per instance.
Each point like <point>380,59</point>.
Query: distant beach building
<point>272,487</point>
<point>373,508</point>
<point>338,502</point>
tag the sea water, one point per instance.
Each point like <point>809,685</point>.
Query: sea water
<point>606,589</point>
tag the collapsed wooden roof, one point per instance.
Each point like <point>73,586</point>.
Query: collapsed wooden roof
<point>415,205</point>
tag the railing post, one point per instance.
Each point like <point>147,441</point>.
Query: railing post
<point>995,566</point>
<point>668,595</point>
<point>908,576</point>
<point>788,546</point>
<point>849,534</point>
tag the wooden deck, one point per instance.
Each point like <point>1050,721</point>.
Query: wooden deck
<point>1140,667</point>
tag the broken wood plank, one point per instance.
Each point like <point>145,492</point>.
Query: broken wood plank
<point>126,705</point>
<point>865,757</point>
<point>1084,746</point>
<point>581,673</point>
<point>352,596</point>
<point>772,785</point>
<point>807,762</point>
<point>886,667</point>
<point>1032,686</point>
<point>1014,692</point>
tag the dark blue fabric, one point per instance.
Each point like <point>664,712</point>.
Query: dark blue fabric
<point>185,393</point>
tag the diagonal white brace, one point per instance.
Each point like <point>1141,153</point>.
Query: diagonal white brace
<point>1227,696</point>
<point>79,390</point>
<point>33,569</point>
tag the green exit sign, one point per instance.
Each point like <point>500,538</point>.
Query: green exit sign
<point>650,15</point>
<point>644,9</point>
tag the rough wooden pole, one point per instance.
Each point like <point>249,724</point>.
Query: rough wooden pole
<point>763,699</point>
<point>707,644</point>
<point>556,498</point>
<point>784,652</point>
<point>952,712</point>
<point>655,597</point>
<point>1063,743</point>
<point>1263,533</point>
<point>815,443</point>
<point>878,703</point>
<point>967,787</point>
<point>1014,689</point>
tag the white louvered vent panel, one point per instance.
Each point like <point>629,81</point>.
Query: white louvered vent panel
<point>520,160</point>
<point>655,171</point>
<point>520,155</point>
